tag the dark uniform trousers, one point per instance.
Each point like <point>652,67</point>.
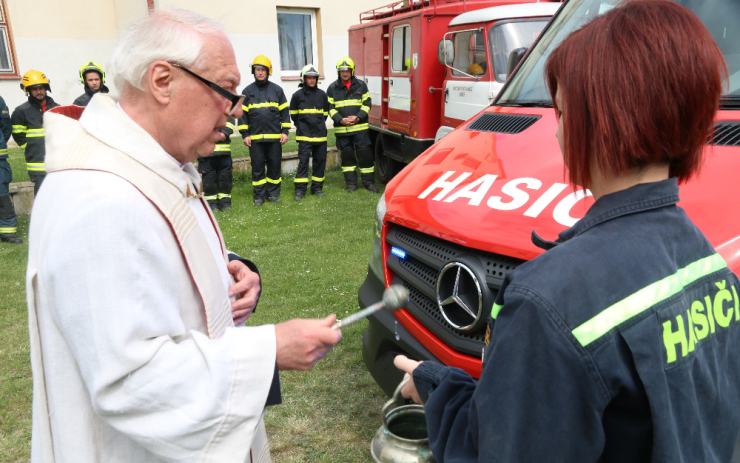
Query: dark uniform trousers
<point>355,149</point>
<point>216,171</point>
<point>316,153</point>
<point>8,223</point>
<point>266,155</point>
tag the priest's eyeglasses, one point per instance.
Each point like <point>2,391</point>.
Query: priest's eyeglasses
<point>236,100</point>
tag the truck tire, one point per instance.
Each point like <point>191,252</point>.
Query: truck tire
<point>385,167</point>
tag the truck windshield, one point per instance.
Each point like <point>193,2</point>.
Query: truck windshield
<point>527,87</point>
<point>507,37</point>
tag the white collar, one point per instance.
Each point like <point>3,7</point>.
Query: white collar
<point>105,120</point>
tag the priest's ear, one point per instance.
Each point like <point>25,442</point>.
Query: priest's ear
<point>158,81</point>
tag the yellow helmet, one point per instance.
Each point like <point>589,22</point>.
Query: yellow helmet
<point>34,77</point>
<point>309,70</point>
<point>476,69</point>
<point>262,60</point>
<point>346,64</point>
<point>89,67</point>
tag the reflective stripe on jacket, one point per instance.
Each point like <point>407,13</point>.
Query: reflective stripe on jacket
<point>266,116</point>
<point>344,102</point>
<point>223,148</point>
<point>309,108</point>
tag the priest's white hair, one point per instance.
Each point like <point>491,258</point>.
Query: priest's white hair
<point>171,35</point>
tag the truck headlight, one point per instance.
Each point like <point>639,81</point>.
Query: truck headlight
<point>376,259</point>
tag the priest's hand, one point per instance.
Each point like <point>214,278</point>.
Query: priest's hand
<point>246,290</point>
<point>301,342</point>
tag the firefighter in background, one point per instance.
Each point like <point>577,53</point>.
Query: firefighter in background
<point>92,76</point>
<point>216,170</point>
<point>349,105</point>
<point>27,121</point>
<point>264,127</point>
<point>8,223</point>
<point>309,107</point>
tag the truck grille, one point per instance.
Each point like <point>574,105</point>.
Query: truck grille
<point>503,123</point>
<point>726,134</point>
<point>423,257</point>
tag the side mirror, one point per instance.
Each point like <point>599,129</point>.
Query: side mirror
<point>445,52</point>
<point>515,56</point>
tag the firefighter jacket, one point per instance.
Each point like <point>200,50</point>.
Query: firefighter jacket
<point>344,102</point>
<point>223,148</point>
<point>308,109</point>
<point>266,115</point>
<point>84,99</point>
<point>28,131</point>
<point>5,127</point>
<point>618,344</point>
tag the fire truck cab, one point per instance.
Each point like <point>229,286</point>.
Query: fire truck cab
<point>471,201</point>
<point>478,52</point>
<point>429,65</point>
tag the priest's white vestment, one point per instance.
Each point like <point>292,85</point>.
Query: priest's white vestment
<point>133,352</point>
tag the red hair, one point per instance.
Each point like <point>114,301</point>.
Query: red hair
<point>640,85</point>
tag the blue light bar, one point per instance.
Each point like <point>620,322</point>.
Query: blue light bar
<point>398,252</point>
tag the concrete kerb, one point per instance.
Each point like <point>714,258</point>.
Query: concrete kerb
<point>22,192</point>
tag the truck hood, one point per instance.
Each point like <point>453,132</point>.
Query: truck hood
<point>490,191</point>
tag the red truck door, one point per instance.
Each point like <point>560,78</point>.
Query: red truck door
<point>369,60</point>
<point>401,63</point>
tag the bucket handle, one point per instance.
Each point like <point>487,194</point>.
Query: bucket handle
<point>397,399</point>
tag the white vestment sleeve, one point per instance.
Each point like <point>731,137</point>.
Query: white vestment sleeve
<point>119,293</point>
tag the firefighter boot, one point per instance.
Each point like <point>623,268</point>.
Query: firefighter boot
<point>300,189</point>
<point>317,188</point>
<point>367,170</point>
<point>8,221</point>
<point>350,179</point>
<point>368,180</point>
<point>11,238</point>
<point>258,192</point>
<point>224,201</point>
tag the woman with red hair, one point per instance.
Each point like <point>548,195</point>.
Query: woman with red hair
<point>622,341</point>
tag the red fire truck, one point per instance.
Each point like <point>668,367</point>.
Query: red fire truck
<point>431,64</point>
<point>471,201</point>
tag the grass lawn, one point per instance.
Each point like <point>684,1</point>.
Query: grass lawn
<point>313,257</point>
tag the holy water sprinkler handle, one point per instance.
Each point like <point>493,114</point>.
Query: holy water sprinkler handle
<point>394,297</point>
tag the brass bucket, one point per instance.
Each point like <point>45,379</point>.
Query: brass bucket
<point>403,436</point>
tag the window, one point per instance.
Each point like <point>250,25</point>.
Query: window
<point>8,67</point>
<point>470,54</point>
<point>507,37</point>
<point>401,49</point>
<point>297,37</point>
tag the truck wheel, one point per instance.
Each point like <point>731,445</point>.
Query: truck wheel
<point>385,167</point>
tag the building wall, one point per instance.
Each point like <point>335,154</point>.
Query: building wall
<point>57,37</point>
